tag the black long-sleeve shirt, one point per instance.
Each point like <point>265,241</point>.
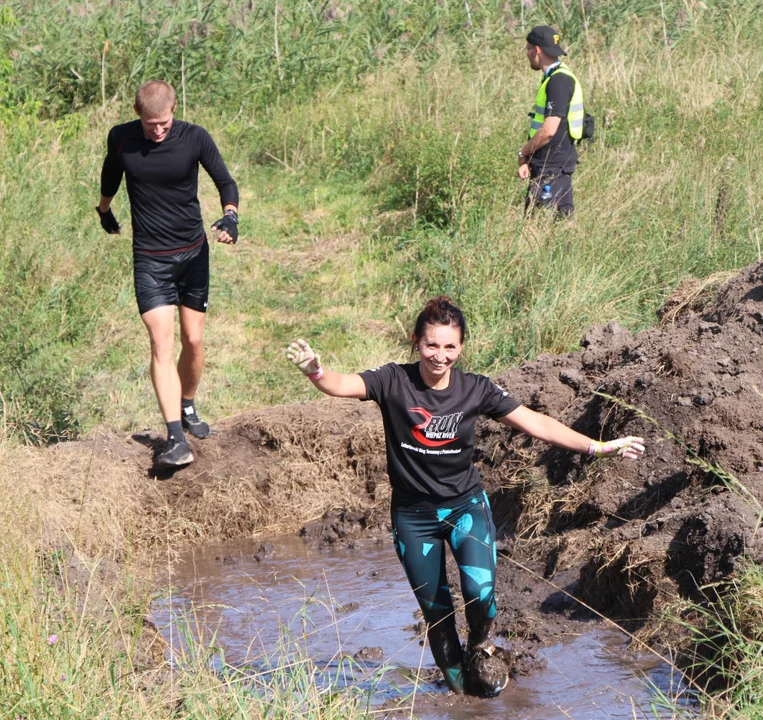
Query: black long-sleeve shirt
<point>163,181</point>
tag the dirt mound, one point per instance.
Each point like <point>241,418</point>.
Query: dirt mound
<point>622,537</point>
<point>684,517</point>
<point>273,470</point>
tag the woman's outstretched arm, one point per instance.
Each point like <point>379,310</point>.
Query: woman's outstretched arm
<point>327,381</point>
<point>552,431</point>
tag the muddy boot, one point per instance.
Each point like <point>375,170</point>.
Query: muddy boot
<point>454,679</point>
<point>447,653</point>
<point>485,675</point>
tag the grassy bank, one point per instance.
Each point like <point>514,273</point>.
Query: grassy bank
<point>77,569</point>
<point>362,199</point>
<point>727,643</point>
<point>85,651</point>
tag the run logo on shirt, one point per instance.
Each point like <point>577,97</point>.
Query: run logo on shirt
<point>436,430</point>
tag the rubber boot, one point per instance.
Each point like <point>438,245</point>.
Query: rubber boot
<point>484,674</point>
<point>480,622</point>
<point>447,653</point>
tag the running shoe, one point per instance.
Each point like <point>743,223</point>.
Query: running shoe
<point>193,424</point>
<point>175,453</point>
<point>486,675</point>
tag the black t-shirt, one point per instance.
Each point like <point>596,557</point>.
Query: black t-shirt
<point>430,433</point>
<point>560,154</point>
<point>163,182</point>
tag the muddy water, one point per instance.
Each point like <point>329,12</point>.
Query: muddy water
<point>265,604</point>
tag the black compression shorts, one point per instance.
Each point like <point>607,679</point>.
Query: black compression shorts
<point>177,279</point>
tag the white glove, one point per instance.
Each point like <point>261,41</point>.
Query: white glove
<point>302,355</point>
<point>630,447</point>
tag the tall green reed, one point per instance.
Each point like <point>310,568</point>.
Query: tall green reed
<point>723,646</point>
<point>66,56</point>
<point>332,136</point>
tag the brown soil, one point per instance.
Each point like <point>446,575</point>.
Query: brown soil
<point>622,537</point>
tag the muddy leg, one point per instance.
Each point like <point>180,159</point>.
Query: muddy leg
<point>472,539</point>
<point>421,550</point>
<point>480,623</point>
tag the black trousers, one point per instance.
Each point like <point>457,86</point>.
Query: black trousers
<point>561,193</point>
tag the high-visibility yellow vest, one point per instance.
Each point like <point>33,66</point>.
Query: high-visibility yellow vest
<point>574,114</point>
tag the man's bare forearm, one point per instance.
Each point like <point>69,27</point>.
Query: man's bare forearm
<point>535,143</point>
<point>105,203</point>
<point>541,138</point>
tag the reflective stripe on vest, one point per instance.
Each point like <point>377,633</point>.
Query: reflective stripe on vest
<point>574,114</point>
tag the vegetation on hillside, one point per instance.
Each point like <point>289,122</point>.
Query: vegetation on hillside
<point>374,143</point>
<point>375,147</point>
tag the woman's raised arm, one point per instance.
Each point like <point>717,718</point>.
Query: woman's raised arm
<point>327,381</point>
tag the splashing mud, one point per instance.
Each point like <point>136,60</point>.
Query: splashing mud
<point>265,607</point>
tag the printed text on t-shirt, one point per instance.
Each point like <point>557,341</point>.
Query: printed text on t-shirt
<point>436,430</point>
<point>427,451</point>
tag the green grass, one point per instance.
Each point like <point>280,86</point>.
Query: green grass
<point>723,646</point>
<point>367,187</point>
<point>375,149</point>
<point>71,650</point>
<point>324,256</point>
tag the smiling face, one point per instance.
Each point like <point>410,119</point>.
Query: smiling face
<point>439,347</point>
<point>157,128</point>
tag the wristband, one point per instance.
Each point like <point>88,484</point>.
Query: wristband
<point>317,375</point>
<point>593,447</point>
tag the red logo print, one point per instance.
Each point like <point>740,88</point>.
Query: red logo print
<point>436,430</point>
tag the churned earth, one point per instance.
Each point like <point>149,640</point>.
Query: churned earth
<point>578,538</point>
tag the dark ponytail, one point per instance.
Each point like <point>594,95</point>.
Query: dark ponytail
<point>439,311</point>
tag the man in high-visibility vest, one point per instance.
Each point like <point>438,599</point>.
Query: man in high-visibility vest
<point>549,157</point>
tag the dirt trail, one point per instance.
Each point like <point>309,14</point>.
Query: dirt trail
<point>624,537</point>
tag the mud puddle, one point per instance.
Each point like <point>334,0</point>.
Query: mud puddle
<point>267,603</point>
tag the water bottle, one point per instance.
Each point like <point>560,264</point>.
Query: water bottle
<point>545,193</point>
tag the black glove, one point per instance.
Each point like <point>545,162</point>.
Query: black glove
<point>108,221</point>
<point>228,223</point>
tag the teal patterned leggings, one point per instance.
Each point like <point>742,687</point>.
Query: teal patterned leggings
<point>420,538</point>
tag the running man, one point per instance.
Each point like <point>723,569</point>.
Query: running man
<point>160,156</point>
<point>429,409</point>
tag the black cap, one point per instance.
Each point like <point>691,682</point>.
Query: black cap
<point>547,39</point>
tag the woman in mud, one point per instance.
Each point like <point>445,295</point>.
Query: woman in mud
<point>429,409</point>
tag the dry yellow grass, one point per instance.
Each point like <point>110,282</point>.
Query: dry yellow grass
<point>270,471</point>
<point>692,294</point>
